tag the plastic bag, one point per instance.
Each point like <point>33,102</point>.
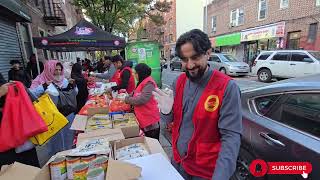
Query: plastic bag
<point>20,120</point>
<point>52,117</point>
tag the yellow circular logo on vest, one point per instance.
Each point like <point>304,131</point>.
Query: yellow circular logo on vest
<point>211,103</point>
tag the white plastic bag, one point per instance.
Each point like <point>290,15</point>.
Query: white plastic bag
<point>52,90</point>
<point>24,147</point>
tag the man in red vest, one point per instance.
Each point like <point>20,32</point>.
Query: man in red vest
<point>205,108</point>
<point>126,80</point>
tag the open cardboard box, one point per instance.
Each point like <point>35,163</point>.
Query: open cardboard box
<point>109,134</point>
<point>80,123</point>
<point>19,171</point>
<point>152,145</point>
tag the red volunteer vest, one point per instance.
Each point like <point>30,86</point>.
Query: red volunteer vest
<point>115,77</point>
<point>204,146</point>
<point>147,114</point>
<point>131,83</point>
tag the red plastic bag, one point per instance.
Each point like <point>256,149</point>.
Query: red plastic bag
<point>20,120</point>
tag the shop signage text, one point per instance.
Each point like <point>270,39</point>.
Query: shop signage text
<point>266,32</point>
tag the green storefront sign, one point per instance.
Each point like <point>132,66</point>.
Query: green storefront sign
<point>146,52</point>
<point>228,40</point>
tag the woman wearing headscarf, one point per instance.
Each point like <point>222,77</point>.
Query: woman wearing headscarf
<point>81,82</point>
<point>54,73</point>
<point>145,106</point>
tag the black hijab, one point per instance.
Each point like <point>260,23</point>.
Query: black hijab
<point>143,71</point>
<point>76,72</point>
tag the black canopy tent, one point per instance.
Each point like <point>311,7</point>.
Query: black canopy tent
<point>84,36</point>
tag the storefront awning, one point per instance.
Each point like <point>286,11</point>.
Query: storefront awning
<point>228,40</point>
<point>16,7</point>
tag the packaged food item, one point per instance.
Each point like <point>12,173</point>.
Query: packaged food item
<point>96,174</point>
<point>71,163</point>
<point>58,169</point>
<point>131,151</point>
<point>91,146</point>
<point>101,161</point>
<point>88,160</point>
<point>80,171</point>
<point>119,106</point>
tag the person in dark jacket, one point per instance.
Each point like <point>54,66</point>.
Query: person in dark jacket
<point>18,74</point>
<point>81,82</point>
<point>28,157</point>
<point>32,68</point>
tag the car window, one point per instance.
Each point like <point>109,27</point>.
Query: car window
<point>281,56</point>
<point>300,111</point>
<point>214,58</point>
<point>230,58</point>
<point>264,104</point>
<point>264,56</point>
<point>298,56</point>
<point>316,55</point>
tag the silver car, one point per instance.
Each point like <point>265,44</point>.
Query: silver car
<point>227,64</point>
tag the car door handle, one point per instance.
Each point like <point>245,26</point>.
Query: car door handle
<point>272,140</point>
<point>292,64</point>
<point>271,62</point>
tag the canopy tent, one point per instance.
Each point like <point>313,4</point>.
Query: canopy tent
<point>84,36</point>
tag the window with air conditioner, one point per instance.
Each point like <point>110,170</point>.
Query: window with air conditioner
<point>284,4</point>
<point>262,9</point>
<point>214,24</point>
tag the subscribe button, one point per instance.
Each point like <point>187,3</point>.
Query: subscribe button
<point>259,168</point>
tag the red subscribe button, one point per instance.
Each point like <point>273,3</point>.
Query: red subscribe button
<point>259,168</point>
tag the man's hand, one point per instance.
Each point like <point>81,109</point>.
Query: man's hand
<point>164,99</point>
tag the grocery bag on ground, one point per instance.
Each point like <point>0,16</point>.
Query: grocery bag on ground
<point>52,117</point>
<point>20,120</point>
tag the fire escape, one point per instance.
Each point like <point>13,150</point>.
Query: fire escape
<point>53,13</point>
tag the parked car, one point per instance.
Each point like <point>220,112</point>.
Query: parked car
<point>229,65</point>
<point>175,63</point>
<point>286,64</point>
<point>281,123</point>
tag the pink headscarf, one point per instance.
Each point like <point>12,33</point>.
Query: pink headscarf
<point>48,75</point>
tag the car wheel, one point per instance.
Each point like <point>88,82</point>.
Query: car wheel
<point>223,70</point>
<point>264,75</point>
<point>243,162</point>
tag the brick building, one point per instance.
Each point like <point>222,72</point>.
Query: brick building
<point>244,28</point>
<point>50,17</point>
<point>169,32</point>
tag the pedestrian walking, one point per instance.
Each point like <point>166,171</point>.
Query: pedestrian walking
<point>32,67</point>
<point>81,82</point>
<point>18,74</point>
<point>205,109</point>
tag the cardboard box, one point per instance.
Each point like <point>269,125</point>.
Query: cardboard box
<point>18,171</point>
<point>80,123</point>
<point>97,110</point>
<point>152,145</point>
<point>109,134</point>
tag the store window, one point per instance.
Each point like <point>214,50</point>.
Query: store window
<point>294,40</point>
<point>262,9</point>
<point>214,24</point>
<point>284,4</point>
<point>312,35</point>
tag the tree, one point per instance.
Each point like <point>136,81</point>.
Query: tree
<point>119,16</point>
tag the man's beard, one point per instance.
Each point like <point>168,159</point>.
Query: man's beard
<point>199,74</point>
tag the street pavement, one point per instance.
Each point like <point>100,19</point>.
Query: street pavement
<point>168,76</point>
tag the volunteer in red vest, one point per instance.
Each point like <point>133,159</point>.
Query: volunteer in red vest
<point>112,74</point>
<point>126,80</point>
<point>145,106</point>
<point>205,108</point>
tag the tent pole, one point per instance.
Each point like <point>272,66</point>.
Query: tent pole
<point>34,50</point>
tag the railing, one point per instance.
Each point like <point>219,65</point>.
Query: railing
<point>53,13</point>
